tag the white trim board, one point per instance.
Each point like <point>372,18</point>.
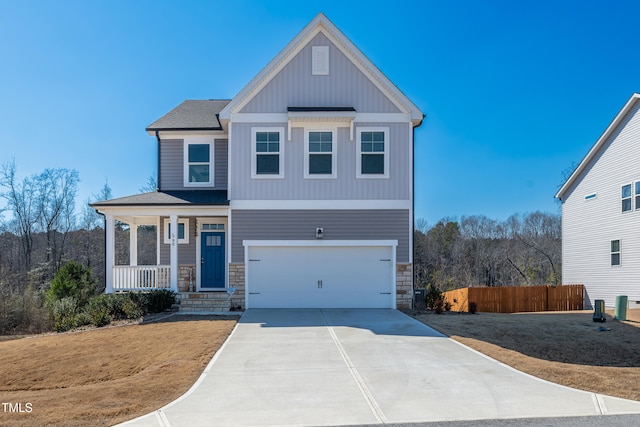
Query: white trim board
<point>319,204</point>
<point>319,243</point>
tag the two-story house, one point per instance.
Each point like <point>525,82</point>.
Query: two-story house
<point>298,192</point>
<point>601,213</point>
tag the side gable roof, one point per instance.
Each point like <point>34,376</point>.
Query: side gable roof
<point>191,115</point>
<point>322,24</point>
<point>598,145</point>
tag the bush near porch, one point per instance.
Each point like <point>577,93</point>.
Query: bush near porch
<point>72,301</point>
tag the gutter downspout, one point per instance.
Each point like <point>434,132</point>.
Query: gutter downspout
<point>413,209</point>
<point>159,174</point>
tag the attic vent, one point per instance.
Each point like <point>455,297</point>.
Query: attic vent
<point>320,60</point>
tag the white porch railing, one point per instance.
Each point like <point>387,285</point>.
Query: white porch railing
<point>141,277</point>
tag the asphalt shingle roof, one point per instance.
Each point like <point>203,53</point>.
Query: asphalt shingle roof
<point>164,198</point>
<point>192,115</point>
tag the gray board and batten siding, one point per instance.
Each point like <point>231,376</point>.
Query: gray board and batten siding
<point>172,165</point>
<point>344,187</point>
<point>384,224</point>
<point>344,86</point>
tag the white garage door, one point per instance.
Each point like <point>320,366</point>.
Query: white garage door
<point>320,277</point>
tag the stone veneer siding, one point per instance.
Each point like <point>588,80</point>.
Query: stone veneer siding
<point>404,286</point>
<point>186,275</point>
<point>236,279</point>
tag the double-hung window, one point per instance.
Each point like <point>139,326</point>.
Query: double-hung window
<point>320,154</point>
<point>615,252</point>
<point>626,198</point>
<point>198,164</point>
<point>183,231</point>
<point>267,155</point>
<point>372,158</point>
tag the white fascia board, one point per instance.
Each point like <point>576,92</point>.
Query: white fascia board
<point>139,211</point>
<point>319,204</point>
<point>284,117</point>
<point>165,134</point>
<point>319,243</point>
<point>322,24</point>
<point>598,145</point>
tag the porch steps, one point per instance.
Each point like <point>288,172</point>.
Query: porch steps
<point>203,301</point>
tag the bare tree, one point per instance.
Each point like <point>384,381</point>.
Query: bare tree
<point>151,185</point>
<point>22,202</point>
<point>57,189</point>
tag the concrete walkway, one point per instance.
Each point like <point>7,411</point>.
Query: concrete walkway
<point>362,366</point>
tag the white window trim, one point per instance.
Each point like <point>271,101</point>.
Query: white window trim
<point>334,152</point>
<point>185,148</point>
<point>167,238</point>
<point>622,199</point>
<point>359,174</point>
<point>254,162</point>
<point>619,252</point>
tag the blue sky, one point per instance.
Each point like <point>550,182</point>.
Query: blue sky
<point>514,92</point>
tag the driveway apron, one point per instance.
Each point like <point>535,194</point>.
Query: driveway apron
<point>291,367</point>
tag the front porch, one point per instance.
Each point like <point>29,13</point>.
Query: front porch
<point>175,240</point>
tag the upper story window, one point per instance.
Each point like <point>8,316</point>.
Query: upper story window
<point>198,164</point>
<point>626,198</point>
<point>267,154</point>
<point>320,154</point>
<point>637,194</point>
<point>372,158</point>
<point>183,231</point>
<point>615,252</point>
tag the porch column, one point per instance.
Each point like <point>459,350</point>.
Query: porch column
<point>133,244</point>
<point>174,252</point>
<point>110,258</point>
<point>158,242</point>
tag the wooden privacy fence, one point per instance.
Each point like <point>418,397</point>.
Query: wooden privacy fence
<point>513,299</point>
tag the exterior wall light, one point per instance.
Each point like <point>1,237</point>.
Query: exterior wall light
<point>319,233</point>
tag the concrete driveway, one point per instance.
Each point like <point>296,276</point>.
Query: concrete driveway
<point>291,367</point>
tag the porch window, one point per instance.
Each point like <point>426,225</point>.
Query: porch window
<point>183,231</point>
<point>198,164</point>
<point>320,154</point>
<point>372,159</point>
<point>267,153</point>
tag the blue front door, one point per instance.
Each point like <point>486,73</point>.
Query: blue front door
<point>212,268</point>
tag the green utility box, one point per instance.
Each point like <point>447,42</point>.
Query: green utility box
<point>621,308</point>
<point>598,313</point>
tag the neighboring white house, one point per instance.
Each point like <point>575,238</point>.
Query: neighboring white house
<point>298,192</point>
<point>601,214</point>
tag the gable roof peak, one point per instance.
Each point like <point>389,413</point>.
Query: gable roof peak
<point>595,149</point>
<point>320,23</point>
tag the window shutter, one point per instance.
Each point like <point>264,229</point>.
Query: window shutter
<point>320,60</point>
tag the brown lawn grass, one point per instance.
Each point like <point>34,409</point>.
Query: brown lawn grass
<point>562,347</point>
<point>106,376</point>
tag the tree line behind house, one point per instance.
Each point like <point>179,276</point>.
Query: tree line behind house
<point>523,250</point>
